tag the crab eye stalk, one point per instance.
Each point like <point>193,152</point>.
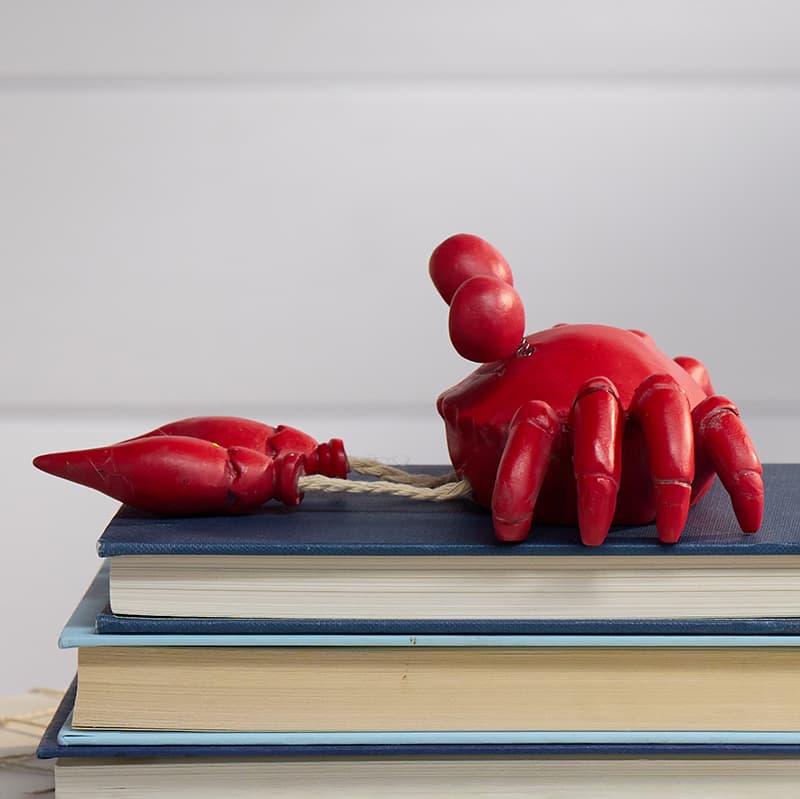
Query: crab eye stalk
<point>461,257</point>
<point>487,319</point>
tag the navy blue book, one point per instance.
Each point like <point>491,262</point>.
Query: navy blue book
<point>364,564</point>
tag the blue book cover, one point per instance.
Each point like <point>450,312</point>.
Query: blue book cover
<point>361,524</point>
<point>108,623</point>
<point>61,740</point>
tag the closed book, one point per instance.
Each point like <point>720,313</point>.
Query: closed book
<point>351,689</point>
<point>110,624</point>
<point>486,775</point>
<point>82,630</point>
<point>157,745</point>
<point>376,564</point>
<point>570,771</point>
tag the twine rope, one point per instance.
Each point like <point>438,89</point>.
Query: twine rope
<point>26,763</point>
<point>37,719</point>
<point>399,483</point>
<point>395,475</point>
<point>33,724</point>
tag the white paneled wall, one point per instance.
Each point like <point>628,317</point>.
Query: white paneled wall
<point>227,207</point>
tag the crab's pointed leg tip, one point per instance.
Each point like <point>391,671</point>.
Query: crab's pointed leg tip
<point>673,511</point>
<point>748,501</point>
<point>593,536</point>
<point>749,514</point>
<point>597,501</point>
<point>670,535</point>
<point>512,531</point>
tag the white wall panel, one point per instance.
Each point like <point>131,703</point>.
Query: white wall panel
<point>204,248</point>
<point>398,38</point>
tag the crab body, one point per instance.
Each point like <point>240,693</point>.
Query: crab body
<point>585,425</point>
<point>478,412</point>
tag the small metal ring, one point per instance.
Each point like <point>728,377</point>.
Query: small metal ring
<point>525,349</point>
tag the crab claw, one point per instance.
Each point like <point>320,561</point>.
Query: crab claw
<point>328,458</point>
<point>180,475</point>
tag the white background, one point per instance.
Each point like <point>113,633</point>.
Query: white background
<point>227,207</point>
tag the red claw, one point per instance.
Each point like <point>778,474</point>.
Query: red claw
<point>170,474</point>
<point>206,464</point>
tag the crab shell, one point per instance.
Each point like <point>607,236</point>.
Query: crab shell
<point>553,367</point>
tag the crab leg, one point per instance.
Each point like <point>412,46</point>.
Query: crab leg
<point>697,371</point>
<point>180,474</point>
<point>723,439</point>
<point>661,408</point>
<point>596,421</point>
<point>522,469</point>
<point>703,468</point>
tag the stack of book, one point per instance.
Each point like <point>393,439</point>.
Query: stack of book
<point>371,646</point>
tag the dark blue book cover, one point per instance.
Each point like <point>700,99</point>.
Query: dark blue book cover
<point>328,524</point>
<point>108,623</point>
<point>49,747</point>
<point>359,524</point>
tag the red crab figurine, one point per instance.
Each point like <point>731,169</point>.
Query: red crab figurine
<point>580,424</point>
<point>206,464</point>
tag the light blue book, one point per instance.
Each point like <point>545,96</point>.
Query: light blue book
<point>69,736</point>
